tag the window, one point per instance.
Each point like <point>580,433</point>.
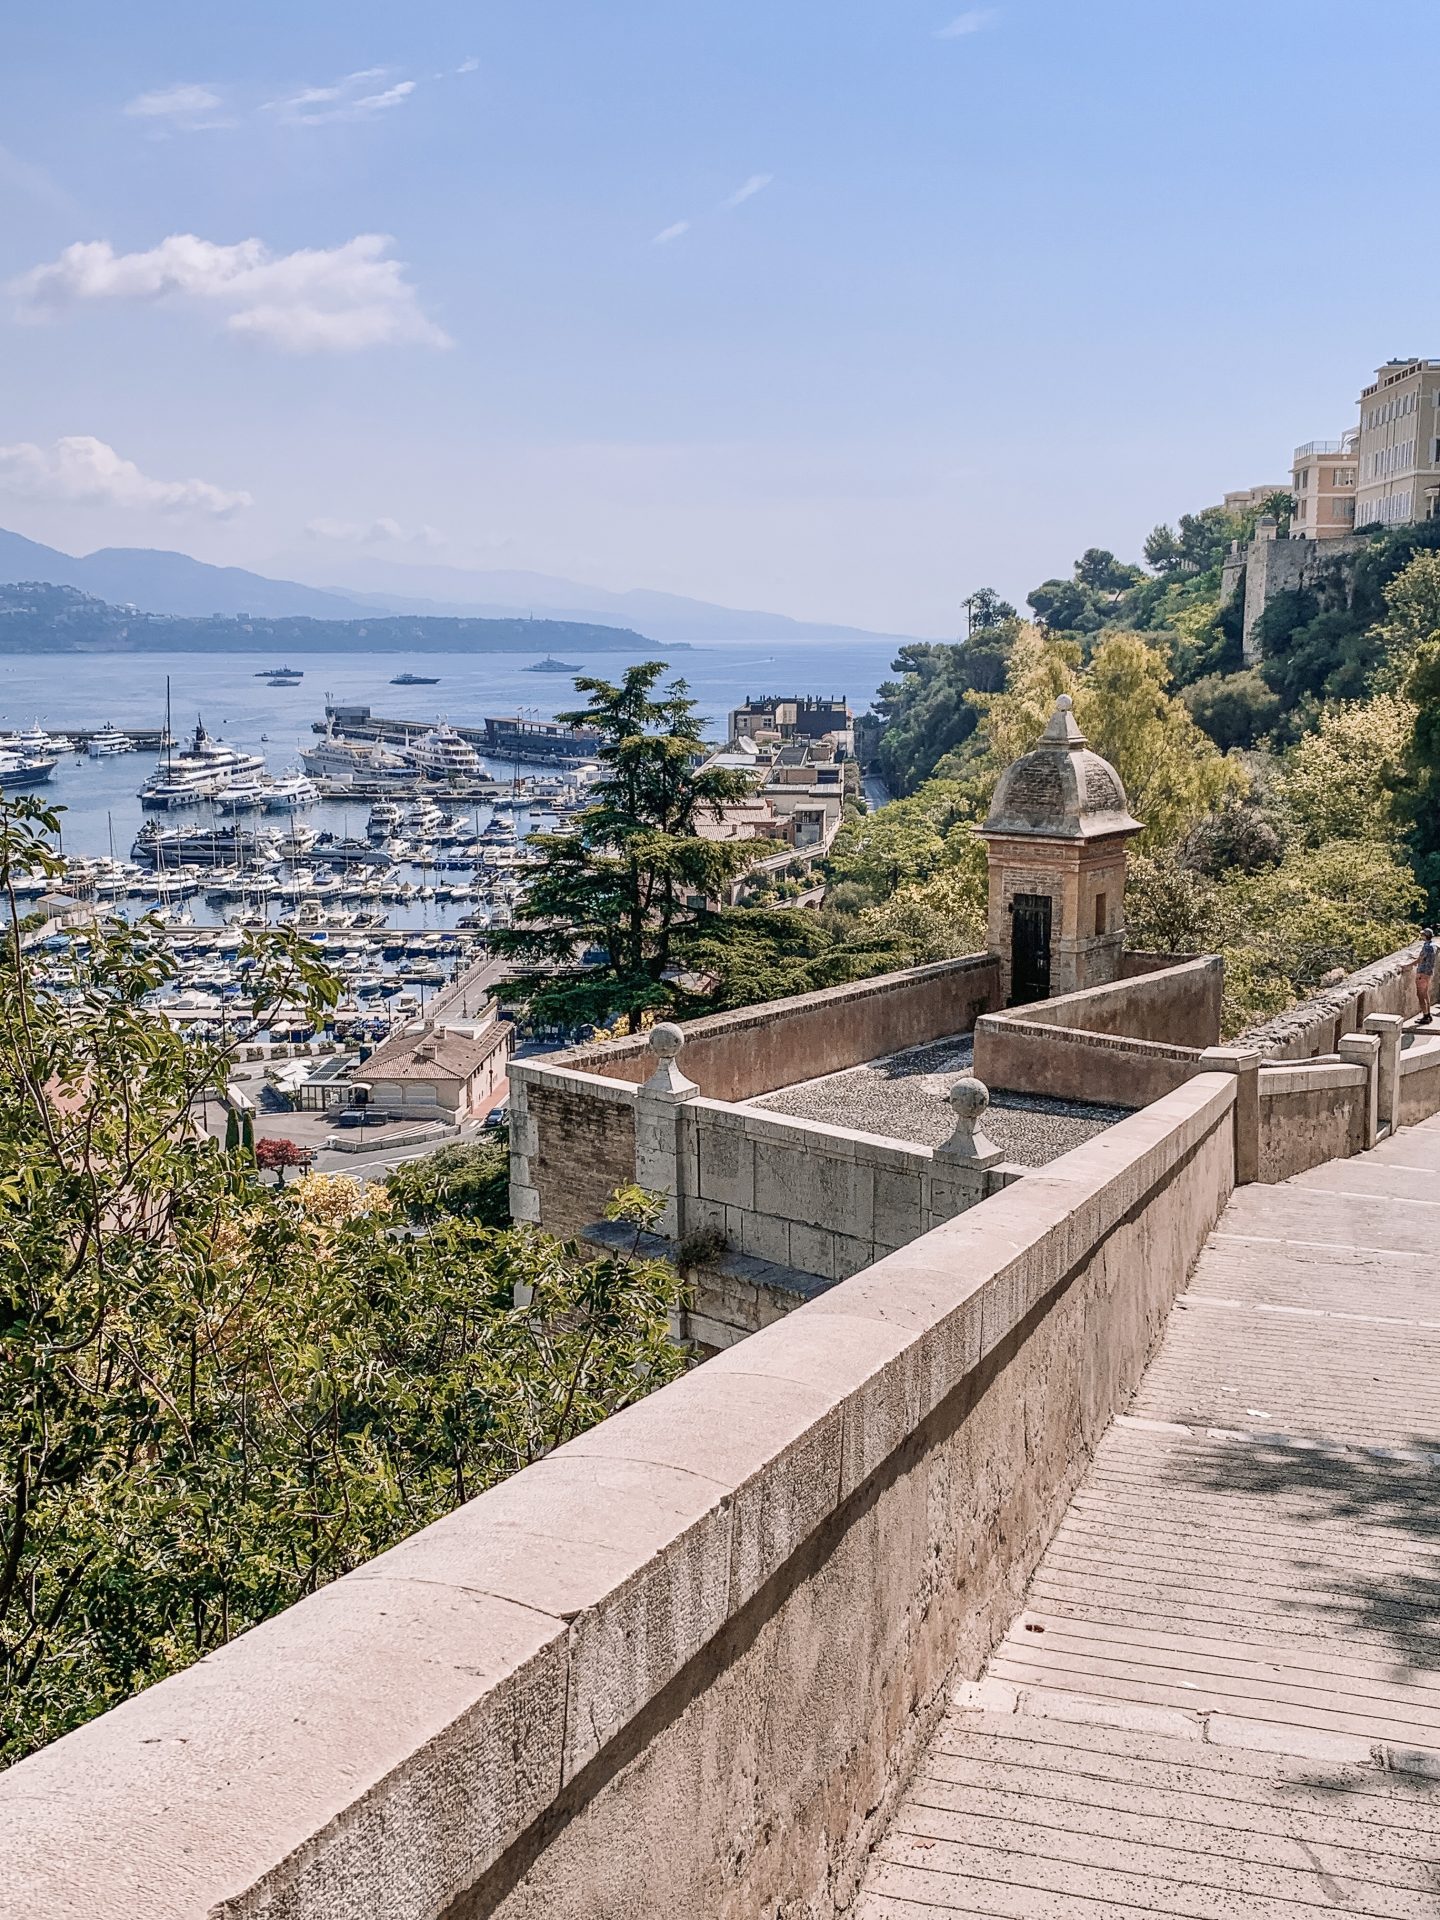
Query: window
<point>1100,913</point>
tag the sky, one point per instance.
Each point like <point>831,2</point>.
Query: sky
<point>836,308</point>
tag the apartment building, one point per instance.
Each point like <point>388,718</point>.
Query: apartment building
<point>1242,500</point>
<point>806,717</point>
<point>1323,480</point>
<point>1399,445</point>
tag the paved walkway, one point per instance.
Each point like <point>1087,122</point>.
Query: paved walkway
<point>1223,1696</point>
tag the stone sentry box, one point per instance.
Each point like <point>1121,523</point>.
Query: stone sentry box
<point>1056,835</point>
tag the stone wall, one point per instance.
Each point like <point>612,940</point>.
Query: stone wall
<point>682,1665</point>
<point>754,1050</point>
<point>1119,1045</point>
<point>825,1200</point>
<point>1419,1091</point>
<point>1318,1024</point>
<point>572,1143</point>
<point>1308,1115</point>
<point>1273,567</point>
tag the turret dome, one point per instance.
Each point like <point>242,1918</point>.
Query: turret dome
<point>1061,790</point>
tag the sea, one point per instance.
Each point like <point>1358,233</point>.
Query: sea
<point>100,798</point>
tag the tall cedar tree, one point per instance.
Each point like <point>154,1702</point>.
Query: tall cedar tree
<point>623,880</point>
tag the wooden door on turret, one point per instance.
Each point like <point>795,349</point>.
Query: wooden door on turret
<point>1029,948</point>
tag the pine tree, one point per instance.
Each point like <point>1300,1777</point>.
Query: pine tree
<point>232,1129</point>
<point>632,878</point>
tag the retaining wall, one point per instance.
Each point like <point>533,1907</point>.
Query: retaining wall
<point>1318,1025</point>
<point>683,1665</point>
<point>754,1050</point>
<point>823,1199</point>
<point>1310,1114</point>
<point>1123,1044</point>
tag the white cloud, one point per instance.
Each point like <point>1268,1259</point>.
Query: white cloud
<point>354,98</point>
<point>81,470</point>
<point>757,183</point>
<point>180,109</point>
<point>975,21</point>
<point>672,232</point>
<point>377,533</point>
<point>316,300</point>
<point>469,65</point>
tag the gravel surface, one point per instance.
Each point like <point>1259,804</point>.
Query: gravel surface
<point>907,1098</point>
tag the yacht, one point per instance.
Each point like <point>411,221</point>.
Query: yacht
<point>360,762</point>
<point>109,740</point>
<point>204,769</point>
<point>291,793</point>
<point>35,742</point>
<point>246,793</point>
<point>25,769</point>
<point>441,754</point>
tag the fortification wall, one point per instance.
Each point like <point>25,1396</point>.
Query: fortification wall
<point>1318,1024</point>
<point>754,1050</point>
<point>683,1664</point>
<point>1123,1044</point>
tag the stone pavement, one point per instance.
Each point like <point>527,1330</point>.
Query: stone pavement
<point>1223,1696</point>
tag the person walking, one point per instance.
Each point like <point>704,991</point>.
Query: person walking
<point>1425,974</point>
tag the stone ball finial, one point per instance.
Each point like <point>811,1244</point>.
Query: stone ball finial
<point>967,1145</point>
<point>1065,703</point>
<point>666,1040</point>
<point>970,1097</point>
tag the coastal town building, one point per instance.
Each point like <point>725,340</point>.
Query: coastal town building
<point>810,717</point>
<point>1399,445</point>
<point>1250,499</point>
<point>1323,484</point>
<point>448,1066</point>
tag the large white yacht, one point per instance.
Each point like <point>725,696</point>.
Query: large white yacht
<point>361,762</point>
<point>25,769</point>
<point>35,742</point>
<point>441,754</point>
<point>109,741</point>
<point>203,770</point>
<point>290,793</point>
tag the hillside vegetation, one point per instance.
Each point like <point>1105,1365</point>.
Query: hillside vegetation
<point>1292,809</point>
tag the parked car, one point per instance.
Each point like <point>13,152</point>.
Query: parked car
<point>499,1116</point>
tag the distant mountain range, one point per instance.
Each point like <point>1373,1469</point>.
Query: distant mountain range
<point>172,583</point>
<point>36,617</point>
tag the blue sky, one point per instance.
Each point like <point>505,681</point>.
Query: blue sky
<point>947,294</point>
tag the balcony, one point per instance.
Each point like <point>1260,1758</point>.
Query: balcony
<point>1312,449</point>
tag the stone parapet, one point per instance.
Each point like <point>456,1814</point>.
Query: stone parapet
<point>683,1664</point>
<point>754,1050</point>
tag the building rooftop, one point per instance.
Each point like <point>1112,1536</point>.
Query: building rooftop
<point>423,1053</point>
<point>1062,790</point>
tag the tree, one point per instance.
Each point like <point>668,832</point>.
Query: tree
<point>926,714</point>
<point>274,1156</point>
<point>470,1182</point>
<point>985,611</point>
<point>1064,606</point>
<point>1234,709</point>
<point>1201,543</point>
<point>1337,782</point>
<point>218,1395</point>
<point>1172,772</point>
<point>632,879</point>
<point>1041,668</point>
<point>1098,570</point>
<point>232,1130</point>
<point>1412,613</point>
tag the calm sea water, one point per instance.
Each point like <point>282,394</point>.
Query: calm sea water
<point>100,796</point>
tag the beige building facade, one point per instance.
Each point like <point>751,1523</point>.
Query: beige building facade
<point>1323,481</point>
<point>1399,445</point>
